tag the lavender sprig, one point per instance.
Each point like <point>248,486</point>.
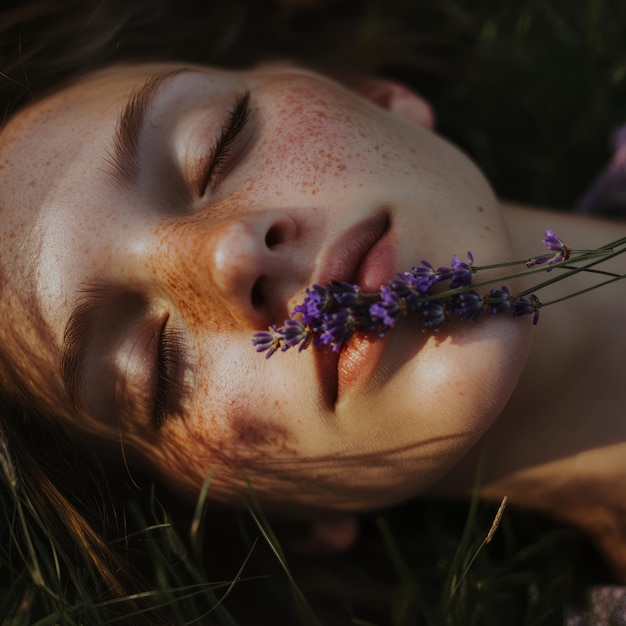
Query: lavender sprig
<point>330,315</point>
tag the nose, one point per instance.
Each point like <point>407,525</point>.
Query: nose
<point>251,266</point>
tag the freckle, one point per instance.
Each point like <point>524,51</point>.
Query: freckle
<point>461,393</point>
<point>32,183</point>
<point>481,210</point>
<point>314,191</point>
<point>487,228</point>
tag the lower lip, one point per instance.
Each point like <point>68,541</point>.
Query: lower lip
<point>360,358</point>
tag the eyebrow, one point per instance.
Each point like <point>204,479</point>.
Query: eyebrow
<point>76,337</point>
<point>130,124</point>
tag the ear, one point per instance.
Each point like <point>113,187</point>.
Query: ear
<point>398,99</point>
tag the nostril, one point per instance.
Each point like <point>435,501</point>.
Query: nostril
<point>273,237</point>
<point>257,294</point>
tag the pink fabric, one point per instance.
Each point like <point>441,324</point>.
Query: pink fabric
<point>603,606</point>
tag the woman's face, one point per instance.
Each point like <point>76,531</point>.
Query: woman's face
<point>154,217</point>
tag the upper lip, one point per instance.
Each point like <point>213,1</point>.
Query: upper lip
<point>342,259</point>
<point>341,262</point>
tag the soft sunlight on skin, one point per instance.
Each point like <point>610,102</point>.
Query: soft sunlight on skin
<point>172,273</point>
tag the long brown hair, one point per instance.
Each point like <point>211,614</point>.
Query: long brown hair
<point>44,43</point>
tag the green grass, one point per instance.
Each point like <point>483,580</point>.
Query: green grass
<point>540,90</point>
<point>420,563</point>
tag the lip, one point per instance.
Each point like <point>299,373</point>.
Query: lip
<point>345,256</point>
<point>360,358</point>
<point>365,255</point>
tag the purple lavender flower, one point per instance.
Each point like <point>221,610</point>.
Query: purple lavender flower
<point>554,243</point>
<point>461,273</point>
<point>338,329</point>
<point>388,310</point>
<point>345,294</point>
<point>423,278</point>
<point>523,306</point>
<point>499,300</point>
<point>434,315</point>
<point>316,302</point>
<point>329,316</point>
<point>539,260</point>
<point>410,294</point>
<point>295,333</point>
<point>269,340</point>
<point>468,305</point>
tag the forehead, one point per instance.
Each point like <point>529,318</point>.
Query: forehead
<point>44,147</point>
<point>35,138</point>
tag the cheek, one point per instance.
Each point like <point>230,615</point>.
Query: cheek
<point>314,140</point>
<point>462,381</point>
<point>481,367</point>
<point>227,436</point>
<point>180,266</point>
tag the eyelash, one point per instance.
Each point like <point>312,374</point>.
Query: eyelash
<point>168,386</point>
<point>237,120</point>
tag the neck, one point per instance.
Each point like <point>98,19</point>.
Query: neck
<point>559,446</point>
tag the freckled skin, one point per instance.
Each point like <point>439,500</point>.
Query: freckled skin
<point>318,161</point>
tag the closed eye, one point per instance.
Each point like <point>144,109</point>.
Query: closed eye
<point>220,153</point>
<point>169,389</point>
